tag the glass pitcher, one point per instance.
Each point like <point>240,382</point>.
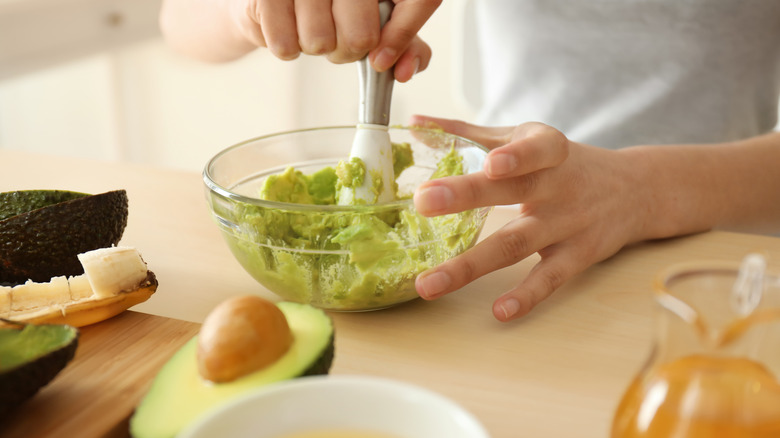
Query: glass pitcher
<point>714,370</point>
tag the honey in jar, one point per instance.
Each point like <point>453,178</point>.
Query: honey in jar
<point>702,397</point>
<point>715,367</point>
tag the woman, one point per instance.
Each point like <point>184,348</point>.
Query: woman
<point>677,99</point>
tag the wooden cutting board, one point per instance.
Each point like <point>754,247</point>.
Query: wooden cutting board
<point>97,392</point>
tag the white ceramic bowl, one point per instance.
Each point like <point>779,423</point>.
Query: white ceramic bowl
<point>323,403</point>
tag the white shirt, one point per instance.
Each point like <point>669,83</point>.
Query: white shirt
<point>616,73</point>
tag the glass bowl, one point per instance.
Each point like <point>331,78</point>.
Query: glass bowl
<point>348,258</point>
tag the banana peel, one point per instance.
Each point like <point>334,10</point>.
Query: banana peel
<point>83,313</point>
<point>58,302</point>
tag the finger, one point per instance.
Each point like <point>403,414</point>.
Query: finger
<point>357,29</point>
<point>488,137</point>
<point>545,278</point>
<point>316,30</point>
<point>247,19</point>
<point>465,192</point>
<point>533,147</point>
<point>407,19</point>
<point>510,244</point>
<point>277,19</point>
<point>413,61</point>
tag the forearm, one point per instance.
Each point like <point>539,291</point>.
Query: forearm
<point>691,188</point>
<point>203,29</point>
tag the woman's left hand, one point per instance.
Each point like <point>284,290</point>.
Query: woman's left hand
<point>578,205</point>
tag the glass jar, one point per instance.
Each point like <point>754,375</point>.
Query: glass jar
<point>714,370</point>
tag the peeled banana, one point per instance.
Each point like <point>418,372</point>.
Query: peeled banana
<point>114,279</point>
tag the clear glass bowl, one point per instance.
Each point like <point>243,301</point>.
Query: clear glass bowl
<point>346,258</point>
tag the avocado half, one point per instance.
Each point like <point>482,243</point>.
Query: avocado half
<point>43,231</point>
<point>30,357</point>
<point>179,395</point>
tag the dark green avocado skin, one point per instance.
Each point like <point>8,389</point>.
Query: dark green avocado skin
<point>21,383</point>
<point>44,243</point>
<point>322,365</point>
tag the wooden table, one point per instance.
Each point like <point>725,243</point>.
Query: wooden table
<point>558,372</point>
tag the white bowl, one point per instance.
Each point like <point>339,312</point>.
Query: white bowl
<point>345,403</point>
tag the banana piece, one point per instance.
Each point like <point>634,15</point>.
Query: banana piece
<point>5,302</point>
<point>30,295</point>
<point>114,280</point>
<point>79,287</point>
<point>113,270</point>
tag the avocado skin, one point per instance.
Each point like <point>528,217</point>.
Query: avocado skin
<point>21,383</point>
<point>44,243</point>
<point>323,363</point>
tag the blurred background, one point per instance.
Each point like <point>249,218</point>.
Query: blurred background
<point>93,78</point>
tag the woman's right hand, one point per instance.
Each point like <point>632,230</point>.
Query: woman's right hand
<point>341,30</point>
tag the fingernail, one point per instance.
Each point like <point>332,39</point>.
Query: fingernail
<point>385,59</point>
<point>435,199</point>
<point>500,164</point>
<point>433,285</point>
<point>416,64</point>
<point>510,307</point>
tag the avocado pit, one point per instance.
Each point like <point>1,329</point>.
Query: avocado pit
<point>240,336</point>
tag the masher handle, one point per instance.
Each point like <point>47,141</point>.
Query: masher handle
<point>376,88</point>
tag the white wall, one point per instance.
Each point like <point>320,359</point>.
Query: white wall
<point>140,102</point>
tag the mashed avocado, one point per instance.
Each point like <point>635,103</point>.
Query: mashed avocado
<point>350,173</point>
<point>356,259</point>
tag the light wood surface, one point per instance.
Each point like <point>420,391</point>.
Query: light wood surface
<point>97,392</point>
<point>558,372</point>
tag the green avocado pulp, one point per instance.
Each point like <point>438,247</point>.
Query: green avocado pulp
<point>19,347</point>
<point>22,201</point>
<point>30,357</point>
<point>179,394</point>
<point>356,259</point>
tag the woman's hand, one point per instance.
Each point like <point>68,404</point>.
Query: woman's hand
<point>578,205</point>
<point>342,30</point>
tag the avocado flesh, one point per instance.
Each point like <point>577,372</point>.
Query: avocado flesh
<point>30,358</point>
<point>44,243</point>
<point>179,395</point>
<point>22,201</point>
